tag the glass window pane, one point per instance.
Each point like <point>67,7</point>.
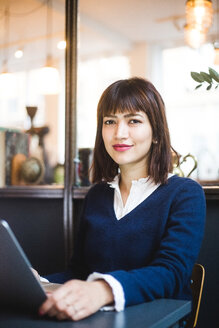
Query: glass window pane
<point>193,115</point>
<point>120,39</point>
<point>31,32</point>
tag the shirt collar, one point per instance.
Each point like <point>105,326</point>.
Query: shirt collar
<point>142,181</point>
<point>115,183</point>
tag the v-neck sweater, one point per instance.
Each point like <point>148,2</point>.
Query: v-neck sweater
<point>151,251</point>
<point>139,191</point>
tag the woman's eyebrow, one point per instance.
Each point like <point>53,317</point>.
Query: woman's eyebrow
<point>109,115</point>
<point>133,115</point>
<point>126,115</point>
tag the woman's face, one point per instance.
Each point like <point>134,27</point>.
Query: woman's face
<point>127,138</point>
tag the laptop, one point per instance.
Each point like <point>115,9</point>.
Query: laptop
<point>19,288</point>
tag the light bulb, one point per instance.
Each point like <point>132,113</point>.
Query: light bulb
<point>61,45</point>
<point>199,13</point>
<point>18,54</point>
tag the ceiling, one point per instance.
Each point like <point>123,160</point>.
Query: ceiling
<point>103,25</point>
<point>125,22</point>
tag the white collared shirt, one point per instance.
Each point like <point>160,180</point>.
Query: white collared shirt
<point>139,191</point>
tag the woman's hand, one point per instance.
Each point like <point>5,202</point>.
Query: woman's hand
<point>77,299</point>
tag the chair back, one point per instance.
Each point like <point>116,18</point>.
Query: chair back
<point>197,282</point>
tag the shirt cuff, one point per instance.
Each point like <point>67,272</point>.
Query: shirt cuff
<point>118,293</point>
<point>43,279</point>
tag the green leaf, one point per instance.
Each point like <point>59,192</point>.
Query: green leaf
<point>206,77</point>
<point>198,86</point>
<point>209,87</point>
<point>214,74</point>
<point>197,77</point>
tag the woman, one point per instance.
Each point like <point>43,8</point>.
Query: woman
<point>141,227</point>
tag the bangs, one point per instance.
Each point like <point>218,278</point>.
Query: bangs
<point>121,101</point>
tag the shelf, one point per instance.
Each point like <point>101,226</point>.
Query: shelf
<point>51,191</point>
<point>80,192</point>
<point>47,191</point>
<point>211,192</point>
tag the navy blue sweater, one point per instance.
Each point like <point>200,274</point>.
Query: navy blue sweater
<point>151,250</point>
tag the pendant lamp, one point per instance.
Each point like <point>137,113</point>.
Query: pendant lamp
<point>199,15</point>
<point>49,75</point>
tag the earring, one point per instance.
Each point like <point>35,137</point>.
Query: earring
<point>155,142</point>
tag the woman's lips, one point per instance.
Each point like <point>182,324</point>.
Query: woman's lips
<point>122,147</point>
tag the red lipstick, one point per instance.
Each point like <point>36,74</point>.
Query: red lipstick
<point>122,147</point>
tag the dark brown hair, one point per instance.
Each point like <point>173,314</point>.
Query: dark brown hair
<point>134,94</point>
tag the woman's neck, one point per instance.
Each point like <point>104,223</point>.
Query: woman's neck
<point>126,178</point>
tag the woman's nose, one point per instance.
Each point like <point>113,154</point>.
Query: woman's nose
<point>121,130</point>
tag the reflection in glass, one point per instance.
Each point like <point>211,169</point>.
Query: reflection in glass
<point>33,31</point>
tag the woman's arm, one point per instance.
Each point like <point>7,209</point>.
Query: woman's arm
<point>169,272</point>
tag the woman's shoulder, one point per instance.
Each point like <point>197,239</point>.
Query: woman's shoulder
<point>184,188</point>
<point>181,182</point>
<point>98,189</point>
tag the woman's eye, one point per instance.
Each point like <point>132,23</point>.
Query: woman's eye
<point>109,122</point>
<point>134,121</point>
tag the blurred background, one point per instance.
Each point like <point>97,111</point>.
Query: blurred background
<point>116,39</point>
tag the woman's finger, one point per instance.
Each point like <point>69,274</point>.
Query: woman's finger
<point>52,312</point>
<point>62,316</point>
<point>53,299</point>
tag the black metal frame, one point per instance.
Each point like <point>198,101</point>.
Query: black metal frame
<point>71,16</point>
